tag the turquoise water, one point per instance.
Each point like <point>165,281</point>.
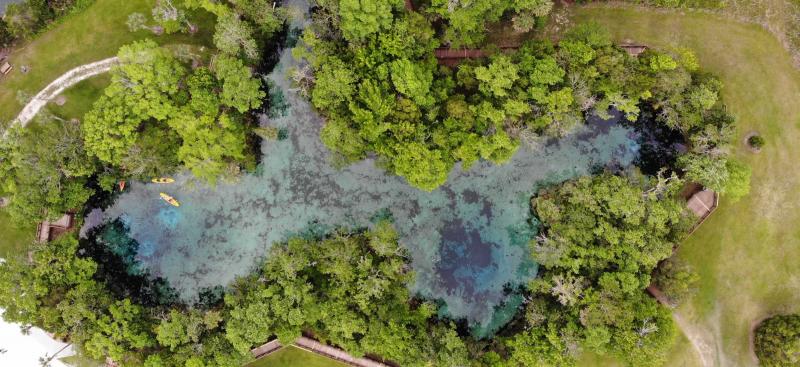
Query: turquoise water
<point>467,241</point>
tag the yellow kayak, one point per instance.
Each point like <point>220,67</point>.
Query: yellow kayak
<point>163,180</point>
<point>171,200</point>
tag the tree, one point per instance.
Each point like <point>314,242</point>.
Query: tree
<point>6,37</point>
<point>662,62</point>
<point>602,237</point>
<point>136,22</point>
<point>528,11</point>
<point>153,154</point>
<point>46,168</point>
<point>540,346</point>
<point>235,37</point>
<point>413,80</point>
<point>422,167</point>
<point>539,8</point>
<point>362,18</point>
<point>725,176</point>
<point>350,289</point>
<point>738,185</point>
<point>30,290</point>
<point>496,79</point>
<point>262,13</point>
<point>21,19</point>
<point>756,141</point>
<point>466,20</point>
<point>240,89</point>
<point>169,17</point>
<point>141,87</point>
<point>125,328</point>
<point>708,171</point>
<point>335,85</point>
<point>606,221</point>
<point>777,341</point>
<point>180,328</point>
<point>211,144</point>
<point>152,94</point>
<point>676,279</point>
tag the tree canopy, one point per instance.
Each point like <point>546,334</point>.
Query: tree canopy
<point>152,91</point>
<point>46,169</point>
<point>777,341</point>
<point>397,103</point>
<point>351,290</point>
<point>602,237</point>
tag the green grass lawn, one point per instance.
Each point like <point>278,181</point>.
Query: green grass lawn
<point>80,97</point>
<point>81,361</point>
<point>295,357</point>
<point>747,252</point>
<point>92,35</point>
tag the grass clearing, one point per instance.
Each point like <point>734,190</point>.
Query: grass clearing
<point>747,252</point>
<point>89,36</point>
<point>80,97</point>
<point>292,356</point>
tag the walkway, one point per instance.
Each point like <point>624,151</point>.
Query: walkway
<point>65,81</point>
<point>702,340</point>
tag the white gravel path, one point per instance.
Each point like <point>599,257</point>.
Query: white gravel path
<point>65,81</point>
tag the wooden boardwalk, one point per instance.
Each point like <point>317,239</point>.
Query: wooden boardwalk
<point>266,349</point>
<point>452,56</point>
<point>314,346</point>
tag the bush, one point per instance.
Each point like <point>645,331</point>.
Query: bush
<point>676,279</point>
<point>756,141</point>
<point>777,341</point>
<point>6,38</point>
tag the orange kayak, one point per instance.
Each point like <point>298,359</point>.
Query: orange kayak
<point>171,200</point>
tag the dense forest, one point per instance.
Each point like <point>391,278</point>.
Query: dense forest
<point>369,69</point>
<point>383,93</point>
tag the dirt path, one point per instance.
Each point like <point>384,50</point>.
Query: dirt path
<point>65,81</point>
<point>702,340</point>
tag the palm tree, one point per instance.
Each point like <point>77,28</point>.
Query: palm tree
<point>45,361</point>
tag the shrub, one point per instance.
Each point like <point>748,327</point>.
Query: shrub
<point>777,341</point>
<point>756,141</point>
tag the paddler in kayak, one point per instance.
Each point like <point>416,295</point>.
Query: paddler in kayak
<point>171,200</point>
<point>163,180</point>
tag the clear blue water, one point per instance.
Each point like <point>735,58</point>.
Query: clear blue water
<point>467,240</point>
